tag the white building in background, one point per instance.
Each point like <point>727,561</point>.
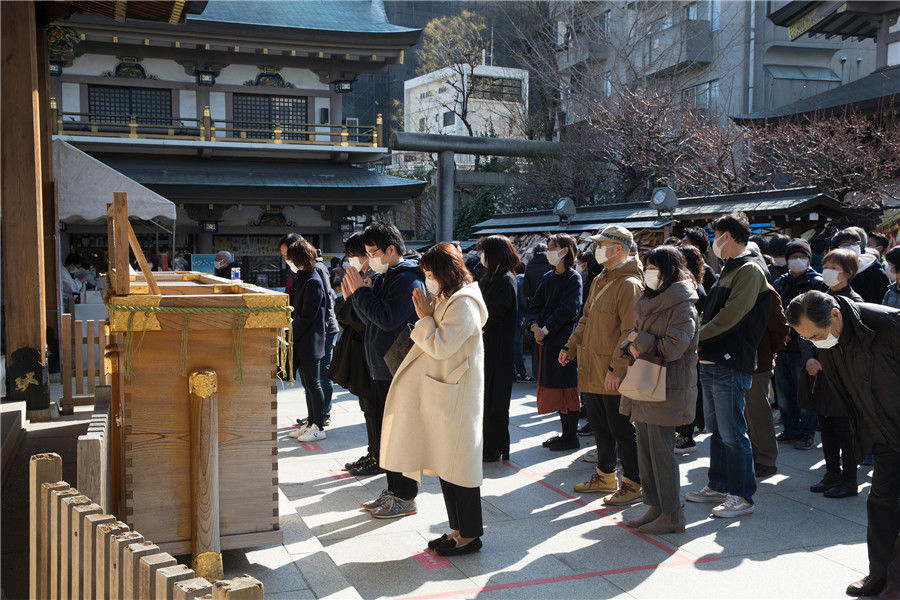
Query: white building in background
<point>432,103</point>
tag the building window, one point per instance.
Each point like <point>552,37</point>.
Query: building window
<point>603,23</point>
<point>110,104</point>
<point>690,12</point>
<point>449,118</point>
<point>422,124</point>
<point>714,9</point>
<point>607,84</point>
<point>257,115</point>
<point>504,89</point>
<point>704,95</point>
<point>667,20</point>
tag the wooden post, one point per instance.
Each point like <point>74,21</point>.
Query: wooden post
<point>103,558</point>
<point>117,545</point>
<point>239,588</point>
<point>147,567</point>
<point>65,367</point>
<point>49,209</point>
<point>67,561</point>
<point>89,554</point>
<point>130,571</point>
<point>207,550</point>
<point>21,189</point>
<point>167,577</point>
<point>77,554</point>
<point>46,541</point>
<point>42,468</point>
<point>57,537</point>
<point>191,588</point>
<point>115,380</point>
<point>378,137</point>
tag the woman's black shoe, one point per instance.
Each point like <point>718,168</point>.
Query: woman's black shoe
<point>454,550</point>
<point>547,443</point>
<point>842,490</point>
<point>829,481</point>
<point>560,444</point>
<point>441,541</point>
<point>491,458</point>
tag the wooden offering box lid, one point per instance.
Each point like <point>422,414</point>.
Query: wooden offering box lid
<point>208,301</point>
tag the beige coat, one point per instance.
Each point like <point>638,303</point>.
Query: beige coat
<point>433,415</point>
<point>605,322</point>
<point>667,326</point>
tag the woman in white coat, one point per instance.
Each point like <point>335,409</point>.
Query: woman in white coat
<point>433,415</point>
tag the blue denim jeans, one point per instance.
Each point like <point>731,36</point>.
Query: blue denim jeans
<point>324,364</point>
<point>796,420</point>
<point>730,455</point>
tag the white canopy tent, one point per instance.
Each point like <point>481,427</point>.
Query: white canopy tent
<point>85,186</point>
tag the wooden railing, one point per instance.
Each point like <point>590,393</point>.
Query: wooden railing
<point>77,550</point>
<point>209,129</point>
<point>82,344</point>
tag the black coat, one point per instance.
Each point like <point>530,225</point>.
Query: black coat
<point>537,267</point>
<point>814,393</point>
<point>555,305</point>
<point>871,283</point>
<point>863,370</point>
<point>789,287</point>
<point>308,319</point>
<point>499,334</point>
<point>348,364</point>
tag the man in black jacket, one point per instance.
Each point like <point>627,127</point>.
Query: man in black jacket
<point>859,349</point>
<point>386,306</point>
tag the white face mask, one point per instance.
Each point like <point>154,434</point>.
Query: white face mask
<point>798,265</point>
<point>892,275</point>
<point>292,266</point>
<point>601,253</point>
<point>779,261</point>
<point>581,269</point>
<point>433,287</point>
<point>831,277</point>
<point>379,265</point>
<point>717,247</point>
<point>855,249</point>
<point>356,263</point>
<point>829,342</point>
<point>555,256</point>
<point>651,278</point>
<point>345,265</point>
<point>484,261</point>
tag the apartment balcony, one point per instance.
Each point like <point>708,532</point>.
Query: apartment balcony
<point>582,50</point>
<point>686,44</point>
<point>135,133</point>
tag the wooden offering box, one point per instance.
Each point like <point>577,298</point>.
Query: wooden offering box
<point>196,322</point>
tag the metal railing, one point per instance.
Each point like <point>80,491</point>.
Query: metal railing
<point>208,129</point>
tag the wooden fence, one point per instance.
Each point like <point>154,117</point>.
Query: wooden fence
<point>82,344</point>
<point>93,452</point>
<point>77,550</point>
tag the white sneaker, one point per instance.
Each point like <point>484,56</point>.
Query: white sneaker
<point>313,434</point>
<point>707,494</point>
<point>734,506</point>
<point>590,457</point>
<point>300,430</point>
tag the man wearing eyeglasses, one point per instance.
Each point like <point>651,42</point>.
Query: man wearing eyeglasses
<point>859,349</point>
<point>385,306</point>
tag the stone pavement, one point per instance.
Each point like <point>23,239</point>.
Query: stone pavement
<point>541,539</point>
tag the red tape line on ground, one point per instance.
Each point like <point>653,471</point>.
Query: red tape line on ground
<point>431,560</point>
<point>603,513</point>
<point>518,584</point>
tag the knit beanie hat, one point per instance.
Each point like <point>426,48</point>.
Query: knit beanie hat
<point>797,245</point>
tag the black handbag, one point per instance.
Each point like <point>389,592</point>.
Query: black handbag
<point>399,349</point>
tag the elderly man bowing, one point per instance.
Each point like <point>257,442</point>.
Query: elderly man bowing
<point>859,350</point>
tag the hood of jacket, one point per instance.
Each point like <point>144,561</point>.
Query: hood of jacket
<point>471,293</point>
<point>539,258</point>
<point>679,291</point>
<point>629,268</point>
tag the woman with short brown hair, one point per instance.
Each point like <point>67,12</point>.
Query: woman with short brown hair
<point>433,416</point>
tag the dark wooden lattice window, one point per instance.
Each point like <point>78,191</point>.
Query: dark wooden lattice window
<point>258,114</point>
<point>110,104</point>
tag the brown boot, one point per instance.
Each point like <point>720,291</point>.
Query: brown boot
<point>648,517</point>
<point>666,523</point>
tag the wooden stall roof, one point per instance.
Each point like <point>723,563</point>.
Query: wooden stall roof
<point>779,206</point>
<point>173,12</point>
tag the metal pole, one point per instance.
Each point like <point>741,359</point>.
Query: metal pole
<point>446,171</point>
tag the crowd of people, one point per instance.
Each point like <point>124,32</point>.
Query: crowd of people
<point>650,345</point>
